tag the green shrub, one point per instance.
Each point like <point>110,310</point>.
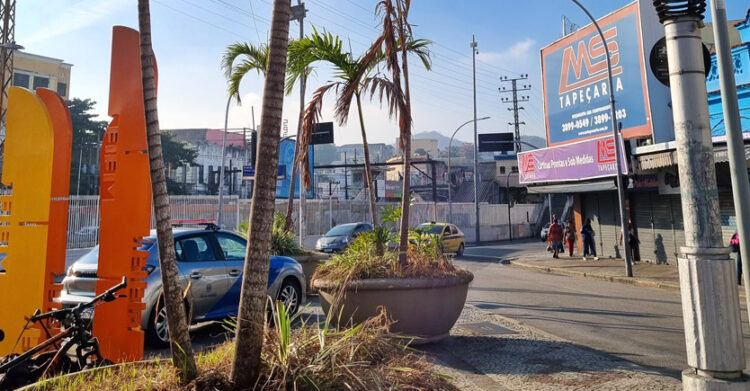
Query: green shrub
<point>282,242</point>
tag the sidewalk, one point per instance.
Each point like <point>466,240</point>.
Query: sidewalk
<point>644,274</point>
<point>489,352</point>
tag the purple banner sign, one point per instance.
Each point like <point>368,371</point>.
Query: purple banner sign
<point>582,160</point>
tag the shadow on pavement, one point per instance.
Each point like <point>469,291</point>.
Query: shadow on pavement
<point>552,363</point>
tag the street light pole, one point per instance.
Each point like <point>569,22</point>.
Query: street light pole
<point>221,169</point>
<point>618,154</point>
<point>708,285</point>
<point>474,52</point>
<point>450,150</point>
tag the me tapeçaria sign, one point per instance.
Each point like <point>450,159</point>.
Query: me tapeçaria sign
<point>576,84</point>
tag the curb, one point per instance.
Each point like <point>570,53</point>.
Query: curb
<point>670,286</point>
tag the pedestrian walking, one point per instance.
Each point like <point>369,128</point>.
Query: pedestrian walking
<point>570,236</point>
<point>734,243</point>
<point>555,238</point>
<point>588,240</point>
<point>633,242</point>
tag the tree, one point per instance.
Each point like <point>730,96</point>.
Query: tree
<point>396,31</point>
<point>255,58</point>
<point>87,136</point>
<point>182,350</point>
<point>177,153</point>
<point>327,48</point>
<point>251,323</point>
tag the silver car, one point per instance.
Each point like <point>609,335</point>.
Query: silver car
<point>212,259</point>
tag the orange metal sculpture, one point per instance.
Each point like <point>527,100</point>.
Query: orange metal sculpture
<point>27,170</point>
<point>125,199</point>
<point>57,231</point>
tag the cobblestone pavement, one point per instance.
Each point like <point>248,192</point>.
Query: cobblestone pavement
<point>490,352</point>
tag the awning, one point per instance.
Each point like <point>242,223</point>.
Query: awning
<point>653,161</point>
<point>573,187</point>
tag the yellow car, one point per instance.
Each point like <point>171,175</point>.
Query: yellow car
<point>453,238</point>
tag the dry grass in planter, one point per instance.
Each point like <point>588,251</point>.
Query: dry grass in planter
<point>310,357</point>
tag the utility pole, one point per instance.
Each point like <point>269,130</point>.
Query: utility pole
<point>515,100</point>
<point>7,47</point>
<point>298,13</point>
<point>735,145</point>
<point>474,52</point>
<point>708,285</point>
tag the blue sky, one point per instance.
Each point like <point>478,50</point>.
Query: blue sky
<point>189,37</point>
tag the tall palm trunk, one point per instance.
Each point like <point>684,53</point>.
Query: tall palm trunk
<point>403,10</point>
<point>182,351</point>
<point>251,315</point>
<point>368,173</point>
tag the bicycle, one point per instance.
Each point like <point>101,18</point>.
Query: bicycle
<point>51,357</point>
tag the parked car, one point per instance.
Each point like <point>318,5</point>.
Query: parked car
<point>338,238</point>
<point>212,259</point>
<point>453,239</point>
<point>545,232</point>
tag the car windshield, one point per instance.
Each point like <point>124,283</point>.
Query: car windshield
<point>433,229</point>
<point>341,230</point>
<point>92,257</point>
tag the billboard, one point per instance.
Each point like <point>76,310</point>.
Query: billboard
<point>588,159</point>
<point>286,157</point>
<point>576,85</point>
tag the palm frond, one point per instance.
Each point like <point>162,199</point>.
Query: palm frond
<point>310,119</point>
<point>386,91</point>
<point>254,58</point>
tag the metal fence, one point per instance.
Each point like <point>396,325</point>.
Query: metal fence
<point>83,216</point>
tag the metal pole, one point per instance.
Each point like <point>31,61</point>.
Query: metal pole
<point>302,191</point>
<point>476,163</point>
<point>78,179</point>
<point>710,300</point>
<point>450,151</point>
<point>510,226</point>
<point>618,154</point>
<point>735,143</point>
<point>221,169</point>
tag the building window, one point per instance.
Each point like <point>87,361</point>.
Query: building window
<point>21,80</point>
<point>62,89</point>
<point>41,82</point>
<point>514,169</point>
<point>502,169</point>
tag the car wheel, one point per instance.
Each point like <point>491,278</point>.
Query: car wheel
<point>290,294</point>
<point>460,251</point>
<point>157,333</point>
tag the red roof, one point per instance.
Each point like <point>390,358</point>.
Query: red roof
<point>233,139</point>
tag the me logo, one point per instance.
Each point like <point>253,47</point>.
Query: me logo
<point>605,151</point>
<point>573,63</point>
<point>527,163</point>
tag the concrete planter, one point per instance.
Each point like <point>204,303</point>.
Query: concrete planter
<point>309,264</point>
<point>426,308</point>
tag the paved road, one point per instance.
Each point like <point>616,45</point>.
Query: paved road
<point>642,325</point>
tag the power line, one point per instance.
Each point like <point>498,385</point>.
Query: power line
<point>196,18</point>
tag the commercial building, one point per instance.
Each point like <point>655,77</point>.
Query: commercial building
<point>33,71</point>
<point>580,157</point>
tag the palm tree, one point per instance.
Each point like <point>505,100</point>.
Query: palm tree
<point>182,351</point>
<point>327,48</point>
<point>255,58</point>
<point>251,314</point>
<point>396,31</point>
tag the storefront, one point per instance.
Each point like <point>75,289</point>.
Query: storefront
<point>580,158</point>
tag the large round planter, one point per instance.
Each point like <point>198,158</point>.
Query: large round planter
<point>309,264</point>
<point>425,308</point>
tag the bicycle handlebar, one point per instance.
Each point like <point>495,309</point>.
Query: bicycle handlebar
<point>106,296</point>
